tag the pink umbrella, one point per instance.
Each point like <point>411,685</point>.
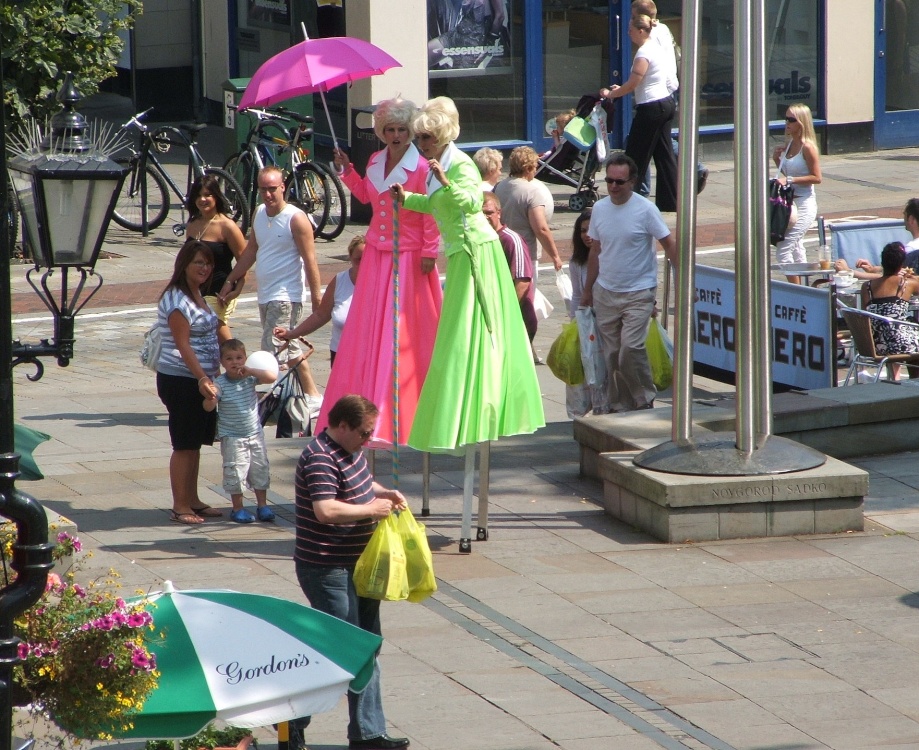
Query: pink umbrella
<point>315,65</point>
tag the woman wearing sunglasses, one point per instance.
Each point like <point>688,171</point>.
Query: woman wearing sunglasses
<point>798,161</point>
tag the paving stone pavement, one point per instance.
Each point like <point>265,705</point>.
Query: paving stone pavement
<point>566,629</point>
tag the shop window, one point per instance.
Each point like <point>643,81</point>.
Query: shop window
<point>475,57</point>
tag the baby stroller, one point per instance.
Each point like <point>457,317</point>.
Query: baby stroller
<point>285,402</point>
<point>575,160</point>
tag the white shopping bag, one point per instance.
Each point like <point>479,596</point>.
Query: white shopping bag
<point>591,355</point>
<point>563,284</point>
<point>543,307</point>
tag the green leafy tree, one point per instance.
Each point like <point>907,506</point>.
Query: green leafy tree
<point>42,39</point>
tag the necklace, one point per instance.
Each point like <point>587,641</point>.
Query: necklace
<point>201,233</point>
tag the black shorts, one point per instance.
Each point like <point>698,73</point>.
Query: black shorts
<point>190,426</point>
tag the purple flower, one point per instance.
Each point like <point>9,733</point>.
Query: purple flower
<point>106,661</point>
<point>142,660</point>
<point>79,591</point>
<point>120,603</point>
<point>139,619</point>
<point>22,650</point>
<point>104,623</point>
<point>118,618</point>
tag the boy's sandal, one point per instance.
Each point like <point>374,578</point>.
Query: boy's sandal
<point>189,519</point>
<point>242,516</point>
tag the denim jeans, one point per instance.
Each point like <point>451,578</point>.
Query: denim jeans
<point>331,590</point>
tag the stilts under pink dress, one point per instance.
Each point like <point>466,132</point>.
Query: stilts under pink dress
<point>364,360</point>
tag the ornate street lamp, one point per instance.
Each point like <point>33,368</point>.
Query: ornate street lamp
<point>66,191</point>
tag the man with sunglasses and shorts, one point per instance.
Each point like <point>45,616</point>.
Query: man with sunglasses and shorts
<point>621,281</point>
<point>338,506</point>
<point>281,246</point>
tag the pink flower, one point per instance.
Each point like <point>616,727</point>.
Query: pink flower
<point>104,623</point>
<point>79,591</point>
<point>139,619</point>
<point>54,581</point>
<point>142,660</point>
<point>22,650</point>
<point>106,661</point>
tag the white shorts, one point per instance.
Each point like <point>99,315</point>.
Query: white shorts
<point>245,462</point>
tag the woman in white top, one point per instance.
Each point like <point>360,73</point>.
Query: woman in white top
<point>649,136</point>
<point>335,304</point>
<point>798,161</point>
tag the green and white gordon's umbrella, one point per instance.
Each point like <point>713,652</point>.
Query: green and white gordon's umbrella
<point>246,659</point>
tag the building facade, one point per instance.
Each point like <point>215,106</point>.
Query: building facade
<point>511,65</point>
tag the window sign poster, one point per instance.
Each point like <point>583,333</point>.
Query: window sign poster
<point>468,38</point>
<point>269,14</point>
<point>803,352</point>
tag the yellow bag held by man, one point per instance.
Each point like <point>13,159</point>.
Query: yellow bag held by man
<point>565,356</point>
<point>419,565</point>
<point>380,570</point>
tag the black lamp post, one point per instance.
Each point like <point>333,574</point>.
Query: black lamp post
<point>66,192</point>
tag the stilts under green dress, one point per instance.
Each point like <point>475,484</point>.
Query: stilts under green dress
<point>481,384</point>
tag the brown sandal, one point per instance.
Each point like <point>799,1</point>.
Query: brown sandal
<point>206,511</point>
<point>189,519</point>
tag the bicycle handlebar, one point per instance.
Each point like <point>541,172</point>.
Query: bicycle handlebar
<point>278,113</point>
<point>136,119</point>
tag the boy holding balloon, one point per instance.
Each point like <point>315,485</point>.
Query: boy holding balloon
<point>242,440</point>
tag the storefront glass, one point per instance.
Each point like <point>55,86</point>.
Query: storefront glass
<point>475,56</point>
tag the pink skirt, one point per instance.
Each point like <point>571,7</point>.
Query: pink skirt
<point>364,360</point>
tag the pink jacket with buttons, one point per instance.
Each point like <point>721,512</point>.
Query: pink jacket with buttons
<point>417,232</point>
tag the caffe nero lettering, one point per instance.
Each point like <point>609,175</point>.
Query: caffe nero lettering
<point>237,673</point>
<point>794,348</point>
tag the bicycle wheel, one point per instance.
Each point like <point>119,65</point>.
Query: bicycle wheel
<point>235,195</point>
<point>307,189</point>
<point>129,213</point>
<point>338,205</point>
<point>242,167</point>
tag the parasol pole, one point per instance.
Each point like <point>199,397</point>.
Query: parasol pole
<point>325,106</point>
<point>395,344</point>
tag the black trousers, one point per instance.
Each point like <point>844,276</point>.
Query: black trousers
<point>649,138</point>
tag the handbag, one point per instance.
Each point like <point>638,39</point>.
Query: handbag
<point>781,203</point>
<point>153,346</point>
<point>380,570</point>
<point>419,565</point>
<point>591,354</point>
<point>564,358</point>
<point>660,355</point>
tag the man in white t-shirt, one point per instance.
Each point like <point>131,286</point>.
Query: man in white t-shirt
<point>281,239</point>
<point>865,269</point>
<point>621,281</point>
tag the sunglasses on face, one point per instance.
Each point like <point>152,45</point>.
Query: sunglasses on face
<point>614,181</point>
<point>790,119</point>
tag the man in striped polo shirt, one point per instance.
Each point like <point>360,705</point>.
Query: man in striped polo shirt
<point>338,505</point>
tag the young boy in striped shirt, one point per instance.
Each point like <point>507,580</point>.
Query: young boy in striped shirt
<point>242,440</point>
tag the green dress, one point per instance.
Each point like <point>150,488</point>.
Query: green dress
<point>481,384</point>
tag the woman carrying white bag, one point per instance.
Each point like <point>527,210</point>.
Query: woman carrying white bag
<point>593,394</point>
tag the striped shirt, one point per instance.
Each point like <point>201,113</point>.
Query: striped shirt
<point>202,334</point>
<point>237,402</point>
<point>326,471</point>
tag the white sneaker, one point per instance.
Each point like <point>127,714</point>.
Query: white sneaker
<point>314,404</point>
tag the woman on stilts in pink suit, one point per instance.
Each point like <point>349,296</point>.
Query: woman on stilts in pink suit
<point>364,360</point>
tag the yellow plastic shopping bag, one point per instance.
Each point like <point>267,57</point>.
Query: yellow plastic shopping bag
<point>419,565</point>
<point>565,356</point>
<point>380,570</point>
<point>660,355</point>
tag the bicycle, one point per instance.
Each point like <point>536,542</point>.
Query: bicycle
<point>309,185</point>
<point>143,204</point>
